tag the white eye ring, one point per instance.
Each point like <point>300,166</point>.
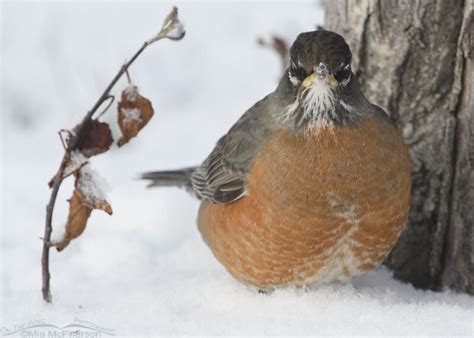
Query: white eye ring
<point>293,79</point>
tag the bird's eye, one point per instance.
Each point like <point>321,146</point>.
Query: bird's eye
<point>343,74</point>
<point>297,72</point>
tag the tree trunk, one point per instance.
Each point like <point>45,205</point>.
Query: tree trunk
<point>415,59</point>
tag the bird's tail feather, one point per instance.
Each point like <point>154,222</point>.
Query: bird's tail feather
<point>170,178</point>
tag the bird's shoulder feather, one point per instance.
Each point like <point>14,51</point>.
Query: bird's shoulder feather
<point>221,177</point>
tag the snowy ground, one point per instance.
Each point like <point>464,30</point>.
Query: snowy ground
<point>145,270</point>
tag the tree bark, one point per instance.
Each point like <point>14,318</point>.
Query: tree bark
<point>415,59</point>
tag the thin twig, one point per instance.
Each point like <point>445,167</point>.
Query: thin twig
<point>72,172</point>
<point>171,29</point>
<point>62,140</point>
<point>58,178</point>
<point>111,98</point>
<point>128,76</point>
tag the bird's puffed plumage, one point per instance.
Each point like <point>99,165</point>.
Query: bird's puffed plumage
<point>304,188</point>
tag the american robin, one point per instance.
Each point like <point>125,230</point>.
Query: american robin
<point>311,184</point>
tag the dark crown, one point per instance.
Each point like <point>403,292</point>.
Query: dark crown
<point>311,48</point>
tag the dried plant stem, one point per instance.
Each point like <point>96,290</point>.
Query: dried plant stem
<point>59,177</point>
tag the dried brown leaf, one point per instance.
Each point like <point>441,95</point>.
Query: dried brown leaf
<point>134,112</point>
<point>85,198</point>
<point>99,205</point>
<point>77,219</point>
<point>89,184</point>
<point>97,138</point>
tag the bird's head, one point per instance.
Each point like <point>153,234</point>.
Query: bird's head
<point>320,56</point>
<point>319,72</point>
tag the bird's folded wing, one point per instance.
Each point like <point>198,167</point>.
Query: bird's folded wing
<point>221,177</point>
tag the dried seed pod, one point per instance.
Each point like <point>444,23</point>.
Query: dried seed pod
<point>134,112</point>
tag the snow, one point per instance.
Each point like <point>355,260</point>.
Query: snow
<point>177,32</point>
<point>145,270</point>
<point>76,161</point>
<point>131,115</point>
<point>131,92</point>
<point>92,185</point>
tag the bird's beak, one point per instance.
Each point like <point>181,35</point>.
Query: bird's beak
<point>321,70</point>
<point>320,73</point>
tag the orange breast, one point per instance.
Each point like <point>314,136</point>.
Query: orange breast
<point>325,206</point>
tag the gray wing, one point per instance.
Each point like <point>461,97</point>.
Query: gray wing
<point>221,177</point>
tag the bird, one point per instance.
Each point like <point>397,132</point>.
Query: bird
<point>311,185</point>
